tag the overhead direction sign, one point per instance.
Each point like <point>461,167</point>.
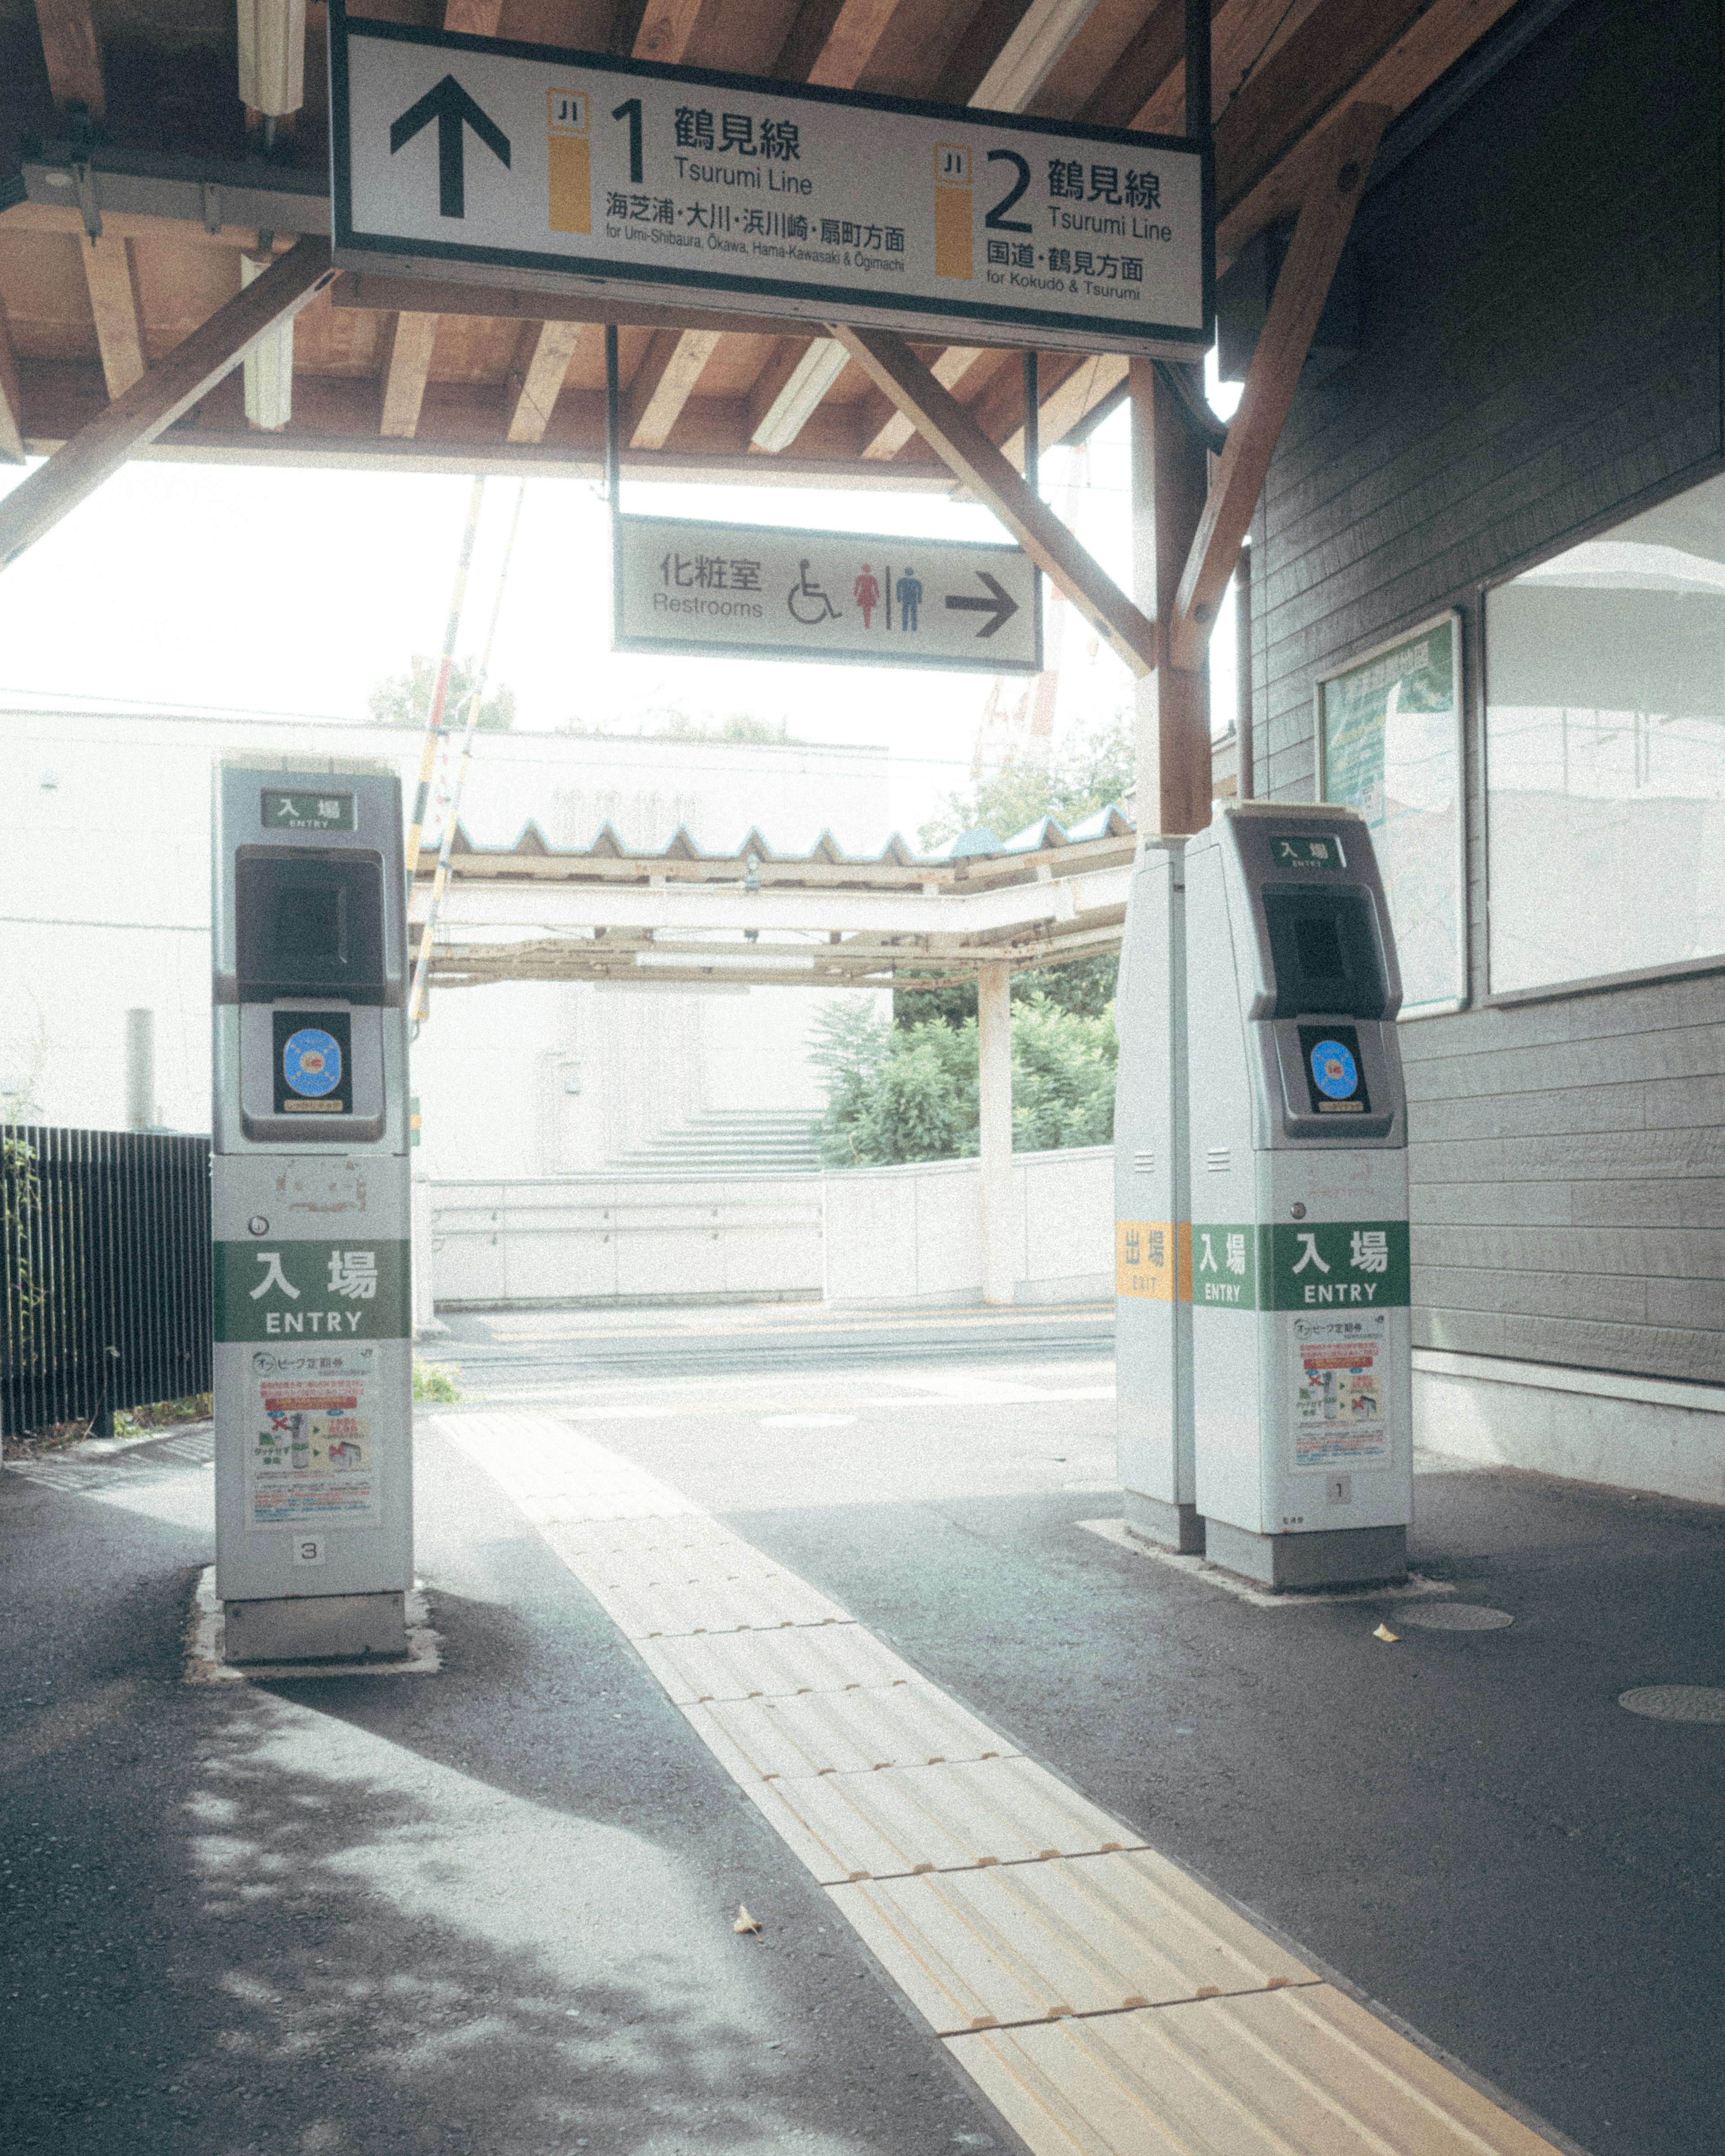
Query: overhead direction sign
<point>492,160</point>
<point>751,591</point>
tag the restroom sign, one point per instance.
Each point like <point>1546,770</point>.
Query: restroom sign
<point>497,161</point>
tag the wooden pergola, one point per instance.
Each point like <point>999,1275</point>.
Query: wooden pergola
<point>164,213</point>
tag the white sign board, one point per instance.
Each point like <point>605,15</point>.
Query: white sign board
<point>759,592</point>
<point>500,162</point>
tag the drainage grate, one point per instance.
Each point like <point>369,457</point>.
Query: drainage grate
<point>1675,1703</point>
<point>1456,1617</point>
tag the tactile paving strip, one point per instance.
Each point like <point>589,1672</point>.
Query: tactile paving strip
<point>908,1724</point>
<point>755,1597</point>
<point>771,1665</point>
<point>1104,2002</point>
<point>902,1821</point>
<point>1301,2072</point>
<point>1081,1935</point>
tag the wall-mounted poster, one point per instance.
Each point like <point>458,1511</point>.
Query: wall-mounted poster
<point>1390,744</point>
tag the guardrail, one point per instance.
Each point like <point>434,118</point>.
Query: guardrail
<point>104,1273</point>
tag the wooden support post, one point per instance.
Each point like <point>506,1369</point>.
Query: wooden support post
<point>173,386</point>
<point>1245,785</point>
<point>1340,164</point>
<point>993,1015</point>
<point>1169,467</point>
<point>944,422</point>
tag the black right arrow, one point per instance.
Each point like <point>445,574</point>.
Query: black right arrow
<point>1002,604</point>
<point>450,106</point>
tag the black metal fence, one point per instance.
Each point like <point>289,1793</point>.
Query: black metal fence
<point>104,1300</point>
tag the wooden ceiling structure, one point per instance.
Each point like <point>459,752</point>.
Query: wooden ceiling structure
<point>132,180</point>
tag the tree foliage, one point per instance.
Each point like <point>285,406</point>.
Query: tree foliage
<point>1094,768</point>
<point>898,1093</point>
<point>404,699</point>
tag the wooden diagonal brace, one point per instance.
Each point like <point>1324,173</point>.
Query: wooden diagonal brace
<point>942,421</point>
<point>194,366</point>
<point>1339,167</point>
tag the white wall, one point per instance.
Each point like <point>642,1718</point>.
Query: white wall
<point>898,1236</point>
<point>630,1240</point>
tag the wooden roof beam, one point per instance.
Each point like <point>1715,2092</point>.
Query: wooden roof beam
<point>663,384</point>
<point>1373,52</point>
<point>173,386</point>
<point>74,54</point>
<point>1340,165</point>
<point>1144,64</point>
<point>942,421</point>
<point>406,372</point>
<point>114,304</point>
<point>534,389</point>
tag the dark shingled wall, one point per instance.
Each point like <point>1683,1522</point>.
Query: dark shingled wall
<point>1540,355</point>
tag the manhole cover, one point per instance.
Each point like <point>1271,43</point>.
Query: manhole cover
<point>1454,1617</point>
<point>1675,1703</point>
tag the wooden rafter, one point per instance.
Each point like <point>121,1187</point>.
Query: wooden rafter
<point>406,372</point>
<point>114,304</point>
<point>173,386</point>
<point>1338,174</point>
<point>663,384</point>
<point>533,392</point>
<point>943,421</point>
<point>74,53</point>
<point>474,18</point>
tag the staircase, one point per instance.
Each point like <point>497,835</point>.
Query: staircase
<point>734,1143</point>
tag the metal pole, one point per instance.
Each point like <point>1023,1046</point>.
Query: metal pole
<point>140,1069</point>
<point>1198,70</point>
<point>1246,780</point>
<point>441,688</point>
<point>1032,424</point>
<point>416,1000</point>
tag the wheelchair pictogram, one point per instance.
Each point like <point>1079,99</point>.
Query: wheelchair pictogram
<point>803,595</point>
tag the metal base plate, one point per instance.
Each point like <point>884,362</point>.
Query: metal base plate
<point>1331,1556</point>
<point>318,1628</point>
<point>1170,1527</point>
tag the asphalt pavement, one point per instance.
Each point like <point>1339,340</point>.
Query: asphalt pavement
<point>490,1909</point>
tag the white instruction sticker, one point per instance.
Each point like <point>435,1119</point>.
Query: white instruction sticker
<point>310,1460</point>
<point>1341,1367</point>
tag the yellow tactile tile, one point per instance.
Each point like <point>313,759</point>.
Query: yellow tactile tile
<point>909,1819</point>
<point>843,1733</point>
<point>771,1664</point>
<point>754,1597</point>
<point>1301,2072</point>
<point>1080,1935</point>
<point>633,1540</point>
<point>556,1475</point>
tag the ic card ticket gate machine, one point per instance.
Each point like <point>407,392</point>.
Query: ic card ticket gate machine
<point>1300,1365</point>
<point>310,1208</point>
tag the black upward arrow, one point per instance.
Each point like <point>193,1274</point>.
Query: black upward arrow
<point>451,107</point>
<point>1000,603</point>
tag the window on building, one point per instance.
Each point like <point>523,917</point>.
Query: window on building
<point>1605,753</point>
